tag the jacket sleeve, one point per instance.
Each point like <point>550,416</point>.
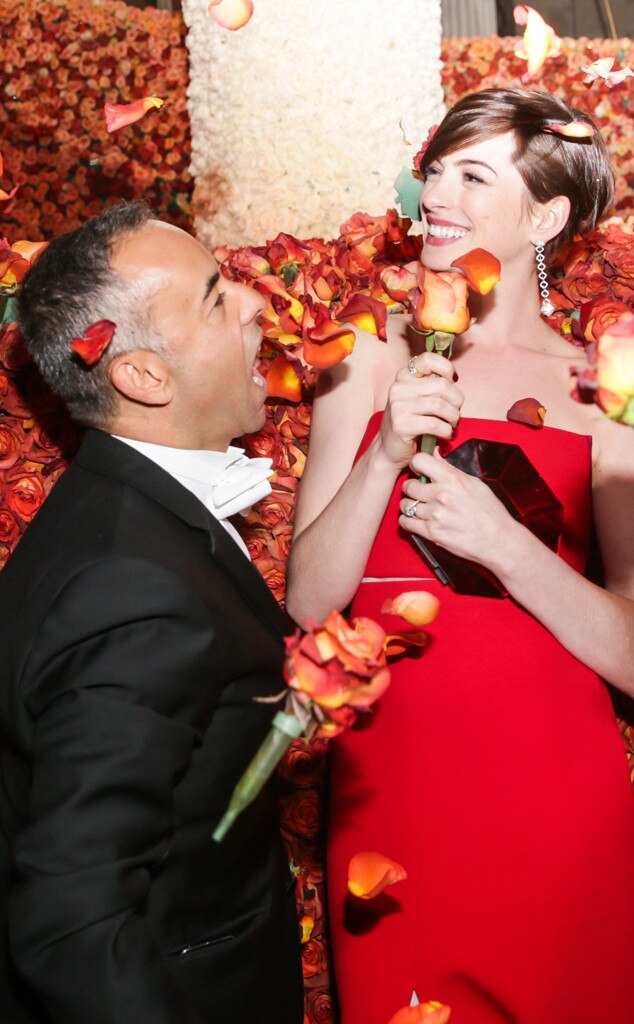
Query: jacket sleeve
<point>116,683</point>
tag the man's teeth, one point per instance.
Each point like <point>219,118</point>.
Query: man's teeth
<point>257,378</point>
<point>441,231</point>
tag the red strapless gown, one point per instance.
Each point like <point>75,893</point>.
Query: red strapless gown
<point>494,772</point>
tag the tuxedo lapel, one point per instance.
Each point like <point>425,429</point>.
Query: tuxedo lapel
<point>104,454</point>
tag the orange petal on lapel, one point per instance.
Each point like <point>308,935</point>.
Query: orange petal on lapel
<point>529,411</point>
<point>231,14</point>
<point>369,873</point>
<point>481,269</point>
<point>94,341</point>
<point>282,380</point>
<point>29,249</point>
<point>424,1013</point>
<point>417,607</point>
<point>118,115</point>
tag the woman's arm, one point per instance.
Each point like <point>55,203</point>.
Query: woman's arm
<point>341,503</point>
<point>461,514</point>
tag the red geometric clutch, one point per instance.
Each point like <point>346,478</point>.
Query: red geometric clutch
<point>514,480</point>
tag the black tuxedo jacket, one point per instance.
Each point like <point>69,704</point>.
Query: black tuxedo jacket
<point>134,637</point>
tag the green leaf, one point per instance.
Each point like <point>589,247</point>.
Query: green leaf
<point>289,273</point>
<point>408,190</point>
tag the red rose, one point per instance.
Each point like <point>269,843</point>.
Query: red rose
<point>25,493</point>
<point>13,353</point>
<point>256,540</point>
<point>279,544</point>
<point>584,283</point>
<point>293,422</point>
<point>613,234</point>
<point>9,527</point>
<point>313,958</point>
<point>12,441</point>
<point>320,1007</point>
<point>597,316</point>
<point>301,812</point>
<point>277,508</point>
<point>274,577</point>
<point>303,765</point>
<point>622,261</point>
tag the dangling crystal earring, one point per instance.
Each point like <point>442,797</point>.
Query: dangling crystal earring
<point>547,308</point>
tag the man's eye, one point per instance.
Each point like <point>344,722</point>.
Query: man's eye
<point>220,301</point>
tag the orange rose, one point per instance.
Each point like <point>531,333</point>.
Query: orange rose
<point>338,666</point>
<point>597,317</point>
<point>273,573</point>
<point>442,302</point>
<point>615,370</point>
<point>585,281</point>
<point>25,494</point>
<point>365,233</point>
<point>399,281</point>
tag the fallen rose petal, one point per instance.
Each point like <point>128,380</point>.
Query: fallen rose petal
<point>282,380</point>
<point>369,873</point>
<point>527,410</point>
<point>418,607</point>
<point>231,14</point>
<point>94,341</point>
<point>118,115</point>
<point>481,269</point>
<point>571,130</point>
<point>429,1013</point>
<point>399,643</point>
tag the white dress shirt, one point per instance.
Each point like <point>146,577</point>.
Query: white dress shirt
<point>225,482</point>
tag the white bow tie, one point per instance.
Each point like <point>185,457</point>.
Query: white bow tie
<point>240,484</point>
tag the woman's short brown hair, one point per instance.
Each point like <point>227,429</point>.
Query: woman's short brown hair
<point>550,164</point>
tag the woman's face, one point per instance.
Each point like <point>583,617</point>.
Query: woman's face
<point>476,198</point>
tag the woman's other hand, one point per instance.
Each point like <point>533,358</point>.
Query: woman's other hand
<point>426,403</point>
<point>456,511</point>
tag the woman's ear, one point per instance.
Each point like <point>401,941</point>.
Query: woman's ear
<point>142,377</point>
<point>549,219</point>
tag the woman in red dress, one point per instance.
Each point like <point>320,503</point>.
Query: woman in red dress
<point>493,770</point>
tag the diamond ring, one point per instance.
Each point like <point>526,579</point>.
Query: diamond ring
<point>410,510</point>
<point>413,369</point>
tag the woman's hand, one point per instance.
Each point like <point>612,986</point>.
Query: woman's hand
<point>426,404</point>
<point>457,511</point>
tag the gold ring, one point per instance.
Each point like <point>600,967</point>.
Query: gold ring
<point>413,369</point>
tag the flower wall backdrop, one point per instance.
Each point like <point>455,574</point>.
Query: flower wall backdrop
<point>295,118</point>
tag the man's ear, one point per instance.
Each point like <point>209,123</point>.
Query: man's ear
<point>141,376</point>
<point>549,219</point>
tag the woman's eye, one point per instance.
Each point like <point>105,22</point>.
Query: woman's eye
<point>431,171</point>
<point>473,177</point>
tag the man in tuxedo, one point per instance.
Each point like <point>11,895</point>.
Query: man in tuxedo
<point>135,640</point>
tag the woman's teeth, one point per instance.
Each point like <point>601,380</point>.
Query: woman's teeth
<point>441,231</point>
